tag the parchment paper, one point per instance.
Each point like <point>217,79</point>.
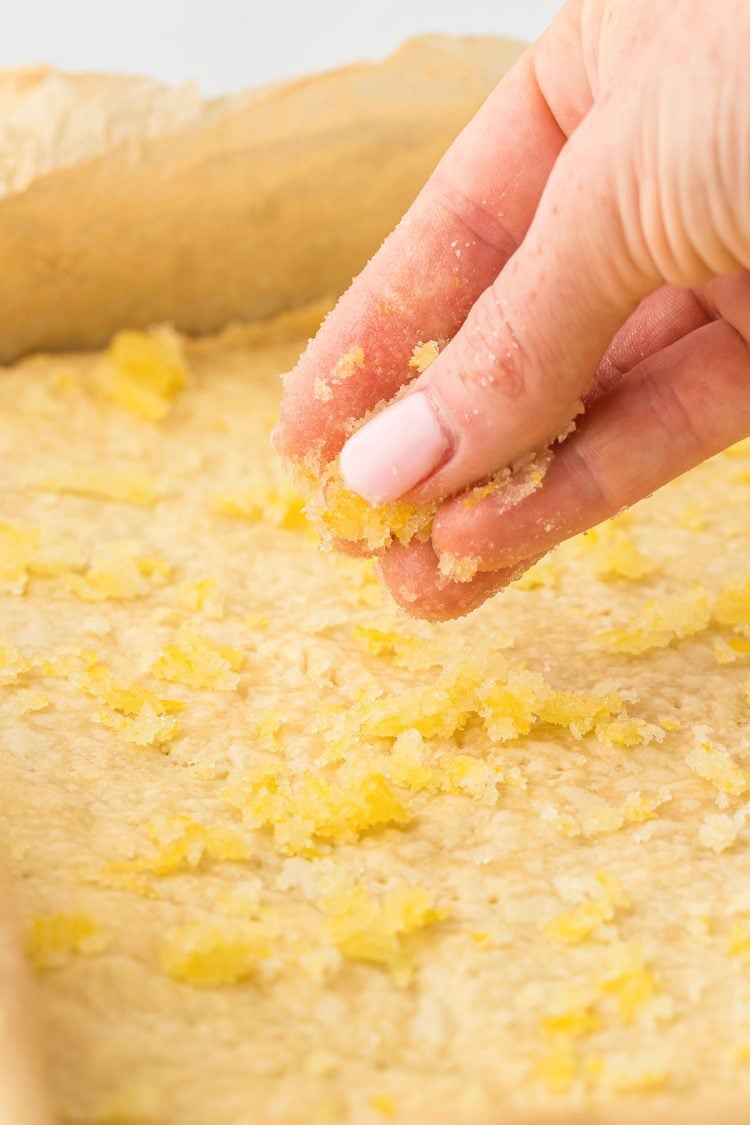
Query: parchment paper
<point>123,202</point>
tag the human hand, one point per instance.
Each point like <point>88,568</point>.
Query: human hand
<point>586,237</point>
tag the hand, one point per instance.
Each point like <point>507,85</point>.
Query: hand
<point>586,237</point>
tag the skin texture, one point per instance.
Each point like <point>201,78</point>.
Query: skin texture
<point>586,238</point>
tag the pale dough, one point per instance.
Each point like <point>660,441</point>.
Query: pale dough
<point>581,938</point>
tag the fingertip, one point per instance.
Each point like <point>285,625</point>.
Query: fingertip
<point>356,363</point>
<point>302,431</point>
<point>413,578</point>
<point>492,534</point>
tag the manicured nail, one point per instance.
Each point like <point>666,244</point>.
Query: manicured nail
<point>395,450</point>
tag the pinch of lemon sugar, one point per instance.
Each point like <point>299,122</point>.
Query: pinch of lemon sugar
<point>337,513</point>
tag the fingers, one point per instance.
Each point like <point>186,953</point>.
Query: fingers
<point>673,411</point>
<point>636,198</point>
<point>513,376</point>
<point>458,234</point>
<point>660,320</point>
<point>421,441</point>
<point>412,576</point>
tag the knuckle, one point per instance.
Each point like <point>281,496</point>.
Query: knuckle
<point>474,216</point>
<point>492,362</point>
<point>589,485</point>
<point>676,419</point>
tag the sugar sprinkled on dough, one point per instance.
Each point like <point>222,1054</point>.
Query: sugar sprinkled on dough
<point>208,955</point>
<point>487,847</point>
<point>658,625</point>
<point>127,486</point>
<point>712,762</point>
<point>53,938</point>
<point>143,372</point>
<point>199,662</point>
<point>367,930</point>
<point>616,553</point>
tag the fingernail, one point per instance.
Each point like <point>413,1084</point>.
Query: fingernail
<point>395,450</point>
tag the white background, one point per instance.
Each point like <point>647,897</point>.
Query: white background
<point>227,44</point>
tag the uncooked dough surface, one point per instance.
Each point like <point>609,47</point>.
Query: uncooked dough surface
<point>282,855</point>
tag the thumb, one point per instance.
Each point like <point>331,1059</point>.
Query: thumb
<point>512,377</point>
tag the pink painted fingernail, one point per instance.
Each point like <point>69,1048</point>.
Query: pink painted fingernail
<point>394,450</point>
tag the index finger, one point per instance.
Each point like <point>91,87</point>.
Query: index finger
<point>462,228</point>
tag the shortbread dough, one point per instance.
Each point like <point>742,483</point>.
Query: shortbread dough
<point>283,855</point>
